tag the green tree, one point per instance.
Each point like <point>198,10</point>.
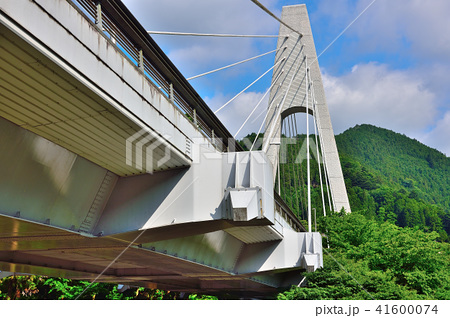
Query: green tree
<point>370,259</point>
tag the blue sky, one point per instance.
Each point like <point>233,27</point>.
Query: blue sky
<point>391,68</point>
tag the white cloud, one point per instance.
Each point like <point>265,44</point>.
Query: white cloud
<point>194,55</point>
<point>373,94</point>
<point>201,15</point>
<point>414,28</point>
<point>439,137</point>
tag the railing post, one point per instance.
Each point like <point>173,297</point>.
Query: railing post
<point>195,118</point>
<point>98,18</point>
<point>141,60</point>
<point>171,94</point>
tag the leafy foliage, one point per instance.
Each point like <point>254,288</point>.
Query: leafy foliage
<point>247,142</point>
<point>370,259</point>
<point>396,179</point>
<point>388,248</point>
<point>42,287</point>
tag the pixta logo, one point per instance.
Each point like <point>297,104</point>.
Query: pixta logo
<point>146,150</point>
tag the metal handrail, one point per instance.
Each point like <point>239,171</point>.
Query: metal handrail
<point>117,23</point>
<point>287,214</point>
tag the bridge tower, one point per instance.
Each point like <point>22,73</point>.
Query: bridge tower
<point>297,88</point>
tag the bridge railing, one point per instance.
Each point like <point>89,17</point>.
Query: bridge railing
<point>118,25</point>
<point>283,210</point>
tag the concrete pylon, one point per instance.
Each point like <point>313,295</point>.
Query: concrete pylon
<point>299,56</point>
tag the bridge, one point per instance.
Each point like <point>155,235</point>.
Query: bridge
<point>113,169</point>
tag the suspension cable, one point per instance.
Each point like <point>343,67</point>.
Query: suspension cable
<point>288,195</point>
<point>313,96</point>
<point>262,124</point>
<point>279,178</point>
<point>281,107</point>
<point>234,64</point>
<point>282,167</point>
<point>216,34</point>
<point>325,170</point>
<point>275,17</point>
<point>260,127</point>
<point>273,99</point>
<point>327,178</point>
<point>276,92</point>
<point>301,181</point>
<point>249,85</point>
<point>294,124</point>
<point>257,105</point>
<point>308,171</point>
<point>318,159</point>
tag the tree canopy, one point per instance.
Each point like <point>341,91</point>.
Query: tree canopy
<point>371,259</point>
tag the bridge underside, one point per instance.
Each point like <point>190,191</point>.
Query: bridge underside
<point>61,215</point>
<point>28,247</point>
<point>38,95</point>
<point>71,205</point>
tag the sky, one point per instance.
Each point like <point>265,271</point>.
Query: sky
<point>389,68</point>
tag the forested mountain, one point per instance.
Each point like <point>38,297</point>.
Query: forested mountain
<point>395,178</point>
<point>394,243</point>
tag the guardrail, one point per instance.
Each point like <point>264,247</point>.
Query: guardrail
<point>286,213</point>
<point>117,24</point>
